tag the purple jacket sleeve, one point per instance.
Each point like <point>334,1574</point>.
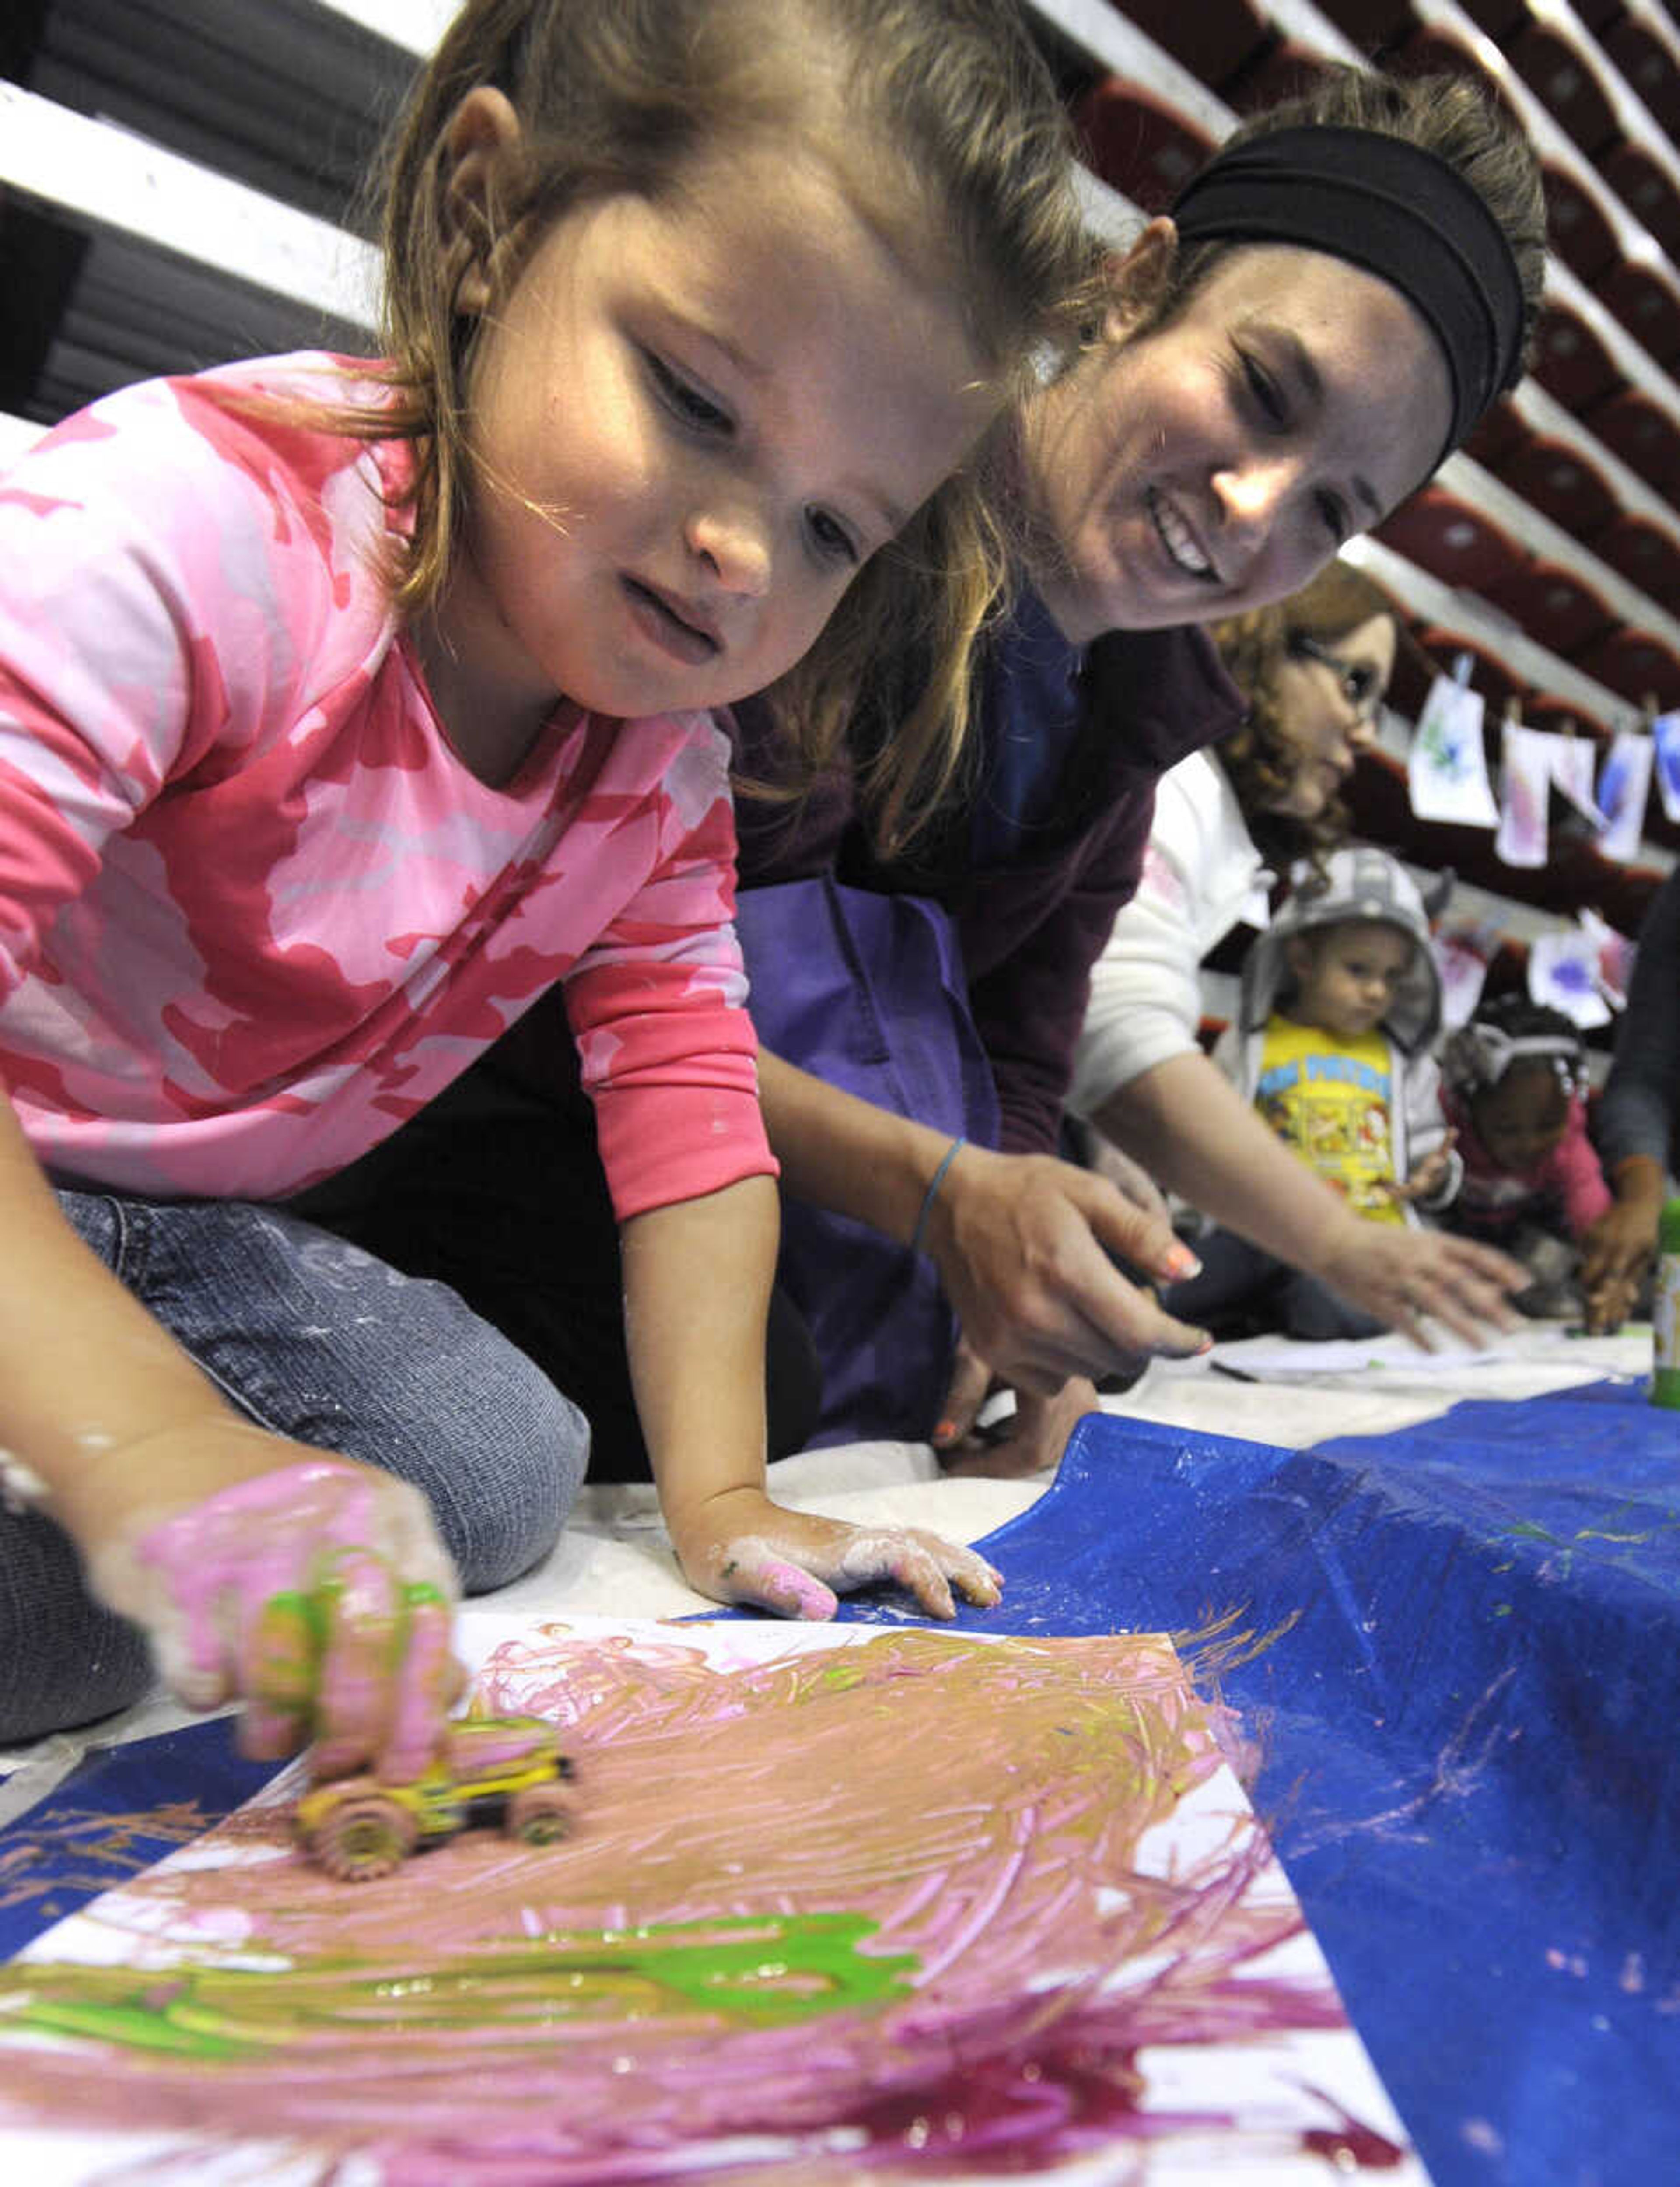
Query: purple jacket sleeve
<point>1030,934</point>
<point>1637,1112</point>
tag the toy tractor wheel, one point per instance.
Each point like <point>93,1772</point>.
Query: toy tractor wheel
<point>363,1838</point>
<point>541,1814</point>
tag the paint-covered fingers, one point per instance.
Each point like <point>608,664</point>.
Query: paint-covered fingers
<point>925,1565</point>
<point>316,1593</point>
<point>798,1563</point>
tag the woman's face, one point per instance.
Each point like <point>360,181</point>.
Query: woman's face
<point>1216,464</point>
<point>1326,705</point>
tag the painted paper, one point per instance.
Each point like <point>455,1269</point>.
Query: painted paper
<point>1525,795</point>
<point>1563,973</point>
<point>1462,954</point>
<point>1665,748</point>
<point>845,1902</point>
<point>1446,769</point>
<point>1614,956</point>
<point>1624,785</point>
<point>1573,762</point>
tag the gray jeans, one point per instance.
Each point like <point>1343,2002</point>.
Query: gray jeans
<point>316,1340</point>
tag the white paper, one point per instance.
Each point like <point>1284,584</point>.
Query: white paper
<point>1623,787</point>
<point>1447,771</point>
<point>1525,794</point>
<point>1072,1949</point>
<point>1666,739</point>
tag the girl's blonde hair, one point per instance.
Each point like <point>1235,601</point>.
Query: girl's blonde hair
<point>942,124</point>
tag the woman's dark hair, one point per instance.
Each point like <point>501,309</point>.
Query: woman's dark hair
<point>1455,118</point>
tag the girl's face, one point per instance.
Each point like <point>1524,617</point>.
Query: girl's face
<point>1326,704</point>
<point>1347,975</point>
<point>1521,1119</point>
<point>693,421</point>
<point>1218,462</point>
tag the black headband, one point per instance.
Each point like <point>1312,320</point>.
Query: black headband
<point>1397,211</point>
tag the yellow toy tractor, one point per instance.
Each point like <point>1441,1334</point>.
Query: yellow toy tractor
<point>505,1769</point>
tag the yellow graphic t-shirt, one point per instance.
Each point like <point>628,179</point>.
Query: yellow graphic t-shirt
<point>1329,1100</point>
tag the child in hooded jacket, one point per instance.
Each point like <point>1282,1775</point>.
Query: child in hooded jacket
<point>1340,1006</point>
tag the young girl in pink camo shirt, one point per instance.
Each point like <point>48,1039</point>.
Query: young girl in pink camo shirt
<point>343,708</point>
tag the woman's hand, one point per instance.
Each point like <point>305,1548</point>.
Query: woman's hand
<point>1615,1254</point>
<point>1024,1243</point>
<point>741,1547</point>
<point>1402,1276</point>
<point>1030,1440</point>
<point>317,1592</point>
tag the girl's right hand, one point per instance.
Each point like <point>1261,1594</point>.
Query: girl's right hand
<point>316,1591</point>
<point>1615,1255</point>
<point>741,1547</point>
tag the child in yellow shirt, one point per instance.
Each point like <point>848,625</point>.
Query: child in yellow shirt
<point>1340,1006</point>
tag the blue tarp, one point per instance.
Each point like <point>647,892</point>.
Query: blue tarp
<point>1467,1732</point>
<point>1469,1738</point>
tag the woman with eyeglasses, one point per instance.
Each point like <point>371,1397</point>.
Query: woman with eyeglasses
<point>1314,668</point>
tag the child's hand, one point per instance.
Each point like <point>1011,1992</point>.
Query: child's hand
<point>741,1547</point>
<point>1615,1253</point>
<point>1429,1179</point>
<point>318,1593</point>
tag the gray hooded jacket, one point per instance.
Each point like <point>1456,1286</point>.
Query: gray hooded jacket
<point>1359,884</point>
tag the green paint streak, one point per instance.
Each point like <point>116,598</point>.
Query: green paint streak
<point>782,1970</point>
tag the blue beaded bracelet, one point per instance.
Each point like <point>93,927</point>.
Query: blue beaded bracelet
<point>938,1178</point>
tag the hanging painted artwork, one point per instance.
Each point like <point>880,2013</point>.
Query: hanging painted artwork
<point>1666,746</point>
<point>842,1904</point>
<point>1524,791</point>
<point>1624,786</point>
<point>1446,768</point>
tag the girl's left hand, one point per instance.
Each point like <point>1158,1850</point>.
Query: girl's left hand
<point>1429,1179</point>
<point>741,1547</point>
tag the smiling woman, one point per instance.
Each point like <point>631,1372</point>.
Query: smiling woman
<point>1275,366</point>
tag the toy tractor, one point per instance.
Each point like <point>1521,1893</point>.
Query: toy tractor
<point>506,1769</point>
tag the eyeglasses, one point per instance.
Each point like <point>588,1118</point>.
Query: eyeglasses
<point>1362,682</point>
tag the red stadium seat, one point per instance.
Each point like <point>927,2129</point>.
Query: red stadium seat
<point>1646,299</point>
<point>1639,665</point>
<point>1545,710</point>
<point>1564,76</point>
<point>1370,23</point>
<point>1498,18</point>
<point>1561,484</point>
<point>1496,683</point>
<point>1571,361</point>
<point>1453,540</point>
<point>1646,553</point>
<point>1280,71</point>
<point>1643,434</point>
<point>1651,66</point>
<point>1646,186</point>
<point>1211,38</point>
<point>1557,609</point>
<point>1499,436</point>
<point>1137,143</point>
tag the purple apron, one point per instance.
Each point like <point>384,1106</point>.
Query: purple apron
<point>867,992</point>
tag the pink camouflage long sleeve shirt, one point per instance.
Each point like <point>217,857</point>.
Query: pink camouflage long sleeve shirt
<point>254,911</point>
